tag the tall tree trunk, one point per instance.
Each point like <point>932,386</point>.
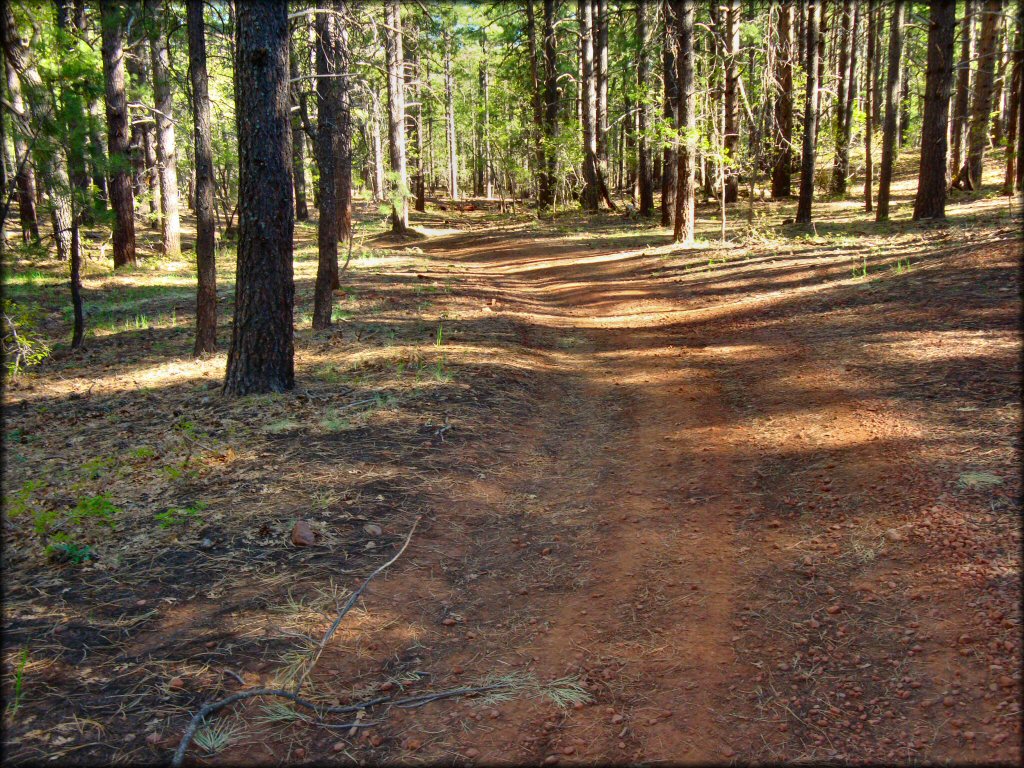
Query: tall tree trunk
<point>165,151</point>
<point>378,153</point>
<point>646,184</point>
<point>1019,171</point>
<point>961,103</point>
<point>547,179</point>
<point>970,174</point>
<point>298,137</point>
<point>930,202</point>
<point>536,96</point>
<point>71,127</point>
<point>23,169</point>
<point>343,136</point>
<point>122,197</point>
<point>731,139</point>
<point>892,93</point>
<point>449,93</point>
<point>261,356</point>
<point>326,137</point>
<point>683,230</point>
<point>782,168</point>
<point>1003,33</point>
<point>872,96</point>
<point>206,246</point>
<point>670,70</point>
<point>137,70</point>
<point>487,187</point>
<point>811,102</point>
<point>847,46</point>
<point>396,116</point>
<point>590,195</point>
<point>1016,95</point>
<point>601,82</point>
<point>415,122</point>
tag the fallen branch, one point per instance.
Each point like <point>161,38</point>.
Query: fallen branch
<point>408,703</point>
<point>214,706</point>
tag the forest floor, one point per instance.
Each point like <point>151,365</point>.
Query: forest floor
<point>752,501</point>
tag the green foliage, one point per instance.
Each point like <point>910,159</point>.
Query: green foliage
<point>22,345</point>
<point>97,508</point>
<point>19,683</point>
<point>180,515</point>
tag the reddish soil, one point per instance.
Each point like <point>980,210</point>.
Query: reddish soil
<point>763,511</point>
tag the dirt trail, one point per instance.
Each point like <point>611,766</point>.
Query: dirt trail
<point>641,534</point>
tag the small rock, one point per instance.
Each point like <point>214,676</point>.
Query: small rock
<point>728,751</point>
<point>412,744</point>
<point>299,753</point>
<point>457,670</point>
<point>206,543</point>
<point>833,609</point>
<point>339,746</point>
<point>153,739</point>
<point>546,551</point>
<point>616,719</point>
<point>948,701</point>
<point>376,740</point>
<point>551,760</point>
<point>448,621</point>
<point>472,753</point>
<point>176,684</point>
<point>373,529</point>
<point>569,750</point>
<point>302,534</point>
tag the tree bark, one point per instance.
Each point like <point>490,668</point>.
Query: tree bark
<point>414,122</point>
<point>590,195</point>
<point>536,96</point>
<point>684,225</point>
<point>645,183</point>
<point>206,253</point>
<point>961,103</point>
<point>547,179</point>
<point>601,82</point>
<point>122,197</point>
<point>343,136</point>
<point>449,93</point>
<point>1019,171</point>
<point>487,185</point>
<point>970,174</point>
<point>261,356</point>
<point>782,169</point>
<point>892,94</point>
<point>811,102</point>
<point>872,96</point>
<point>847,46</point>
<point>1016,95</point>
<point>170,224</point>
<point>396,116</point>
<point>930,202</point>
<point>731,138</point>
<point>670,156</point>
<point>326,137</point>
<point>298,137</point>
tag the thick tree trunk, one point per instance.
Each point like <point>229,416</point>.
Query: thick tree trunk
<point>782,168</point>
<point>1019,171</point>
<point>326,137</point>
<point>961,103</point>
<point>670,73</point>
<point>731,138</point>
<point>684,225</point>
<point>122,197</point>
<point>930,202</point>
<point>811,102</point>
<point>449,93</point>
<point>415,125</point>
<point>1003,35</point>
<point>23,169</point>
<point>396,116</point>
<point>170,224</point>
<point>536,97</point>
<point>486,167</point>
<point>645,183</point>
<point>547,179</point>
<point>970,174</point>
<point>872,96</point>
<point>261,356</point>
<point>206,246</point>
<point>892,93</point>
<point>847,46</point>
<point>298,138</point>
